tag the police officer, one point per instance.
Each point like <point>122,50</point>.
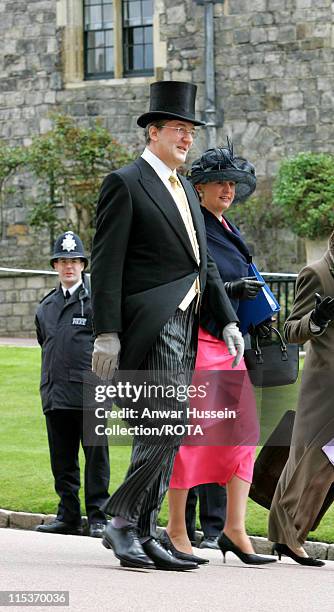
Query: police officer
<point>64,331</point>
<point>212,513</point>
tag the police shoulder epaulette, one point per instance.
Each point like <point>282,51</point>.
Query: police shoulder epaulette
<point>47,295</point>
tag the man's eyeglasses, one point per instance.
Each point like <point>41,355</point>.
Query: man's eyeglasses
<point>181,131</point>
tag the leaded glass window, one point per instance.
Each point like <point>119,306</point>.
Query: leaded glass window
<point>137,37</point>
<point>99,38</point>
<point>118,38</point>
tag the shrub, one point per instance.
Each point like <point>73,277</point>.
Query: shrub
<point>260,223</point>
<point>304,190</point>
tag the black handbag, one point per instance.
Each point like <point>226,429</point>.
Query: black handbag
<point>274,364</point>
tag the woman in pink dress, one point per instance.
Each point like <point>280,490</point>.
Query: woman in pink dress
<point>220,178</point>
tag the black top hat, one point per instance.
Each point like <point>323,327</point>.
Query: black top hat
<point>68,245</point>
<point>171,100</point>
<point>221,165</point>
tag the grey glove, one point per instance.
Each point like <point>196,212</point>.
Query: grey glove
<point>234,342</point>
<point>105,355</point>
<point>245,288</point>
<point>324,310</point>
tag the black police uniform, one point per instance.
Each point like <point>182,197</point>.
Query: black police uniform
<point>64,331</point>
<point>212,510</point>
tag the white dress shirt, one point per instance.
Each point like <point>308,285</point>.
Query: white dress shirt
<point>72,289</point>
<point>160,168</point>
<point>164,172</point>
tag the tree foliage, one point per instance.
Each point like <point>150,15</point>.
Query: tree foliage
<point>11,158</point>
<point>260,222</point>
<point>69,163</point>
<point>304,190</point>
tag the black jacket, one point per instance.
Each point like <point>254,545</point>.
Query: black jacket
<point>64,332</point>
<point>143,263</point>
<point>232,258</point>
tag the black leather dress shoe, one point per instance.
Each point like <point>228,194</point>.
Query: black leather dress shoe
<point>126,546</point>
<point>164,560</point>
<point>60,527</point>
<point>168,545</point>
<point>96,530</point>
<point>210,542</point>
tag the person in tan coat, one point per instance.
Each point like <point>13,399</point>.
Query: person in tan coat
<point>307,480</point>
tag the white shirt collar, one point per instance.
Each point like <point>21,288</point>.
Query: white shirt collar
<point>73,288</point>
<point>158,165</point>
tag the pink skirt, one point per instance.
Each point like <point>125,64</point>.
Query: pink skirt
<point>196,465</point>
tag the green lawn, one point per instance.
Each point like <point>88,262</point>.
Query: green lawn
<point>25,477</point>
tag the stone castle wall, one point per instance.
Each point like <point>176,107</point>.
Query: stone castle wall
<point>274,83</point>
<point>20,294</point>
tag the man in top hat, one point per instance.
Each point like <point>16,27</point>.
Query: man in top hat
<point>64,331</point>
<point>150,271</point>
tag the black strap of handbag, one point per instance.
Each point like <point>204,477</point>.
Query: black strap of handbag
<point>258,352</point>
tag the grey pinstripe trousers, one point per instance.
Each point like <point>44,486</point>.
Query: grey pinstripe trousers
<point>140,496</point>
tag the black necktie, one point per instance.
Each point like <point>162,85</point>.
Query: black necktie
<point>67,295</point>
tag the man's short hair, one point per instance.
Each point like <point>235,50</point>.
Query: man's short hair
<point>159,123</point>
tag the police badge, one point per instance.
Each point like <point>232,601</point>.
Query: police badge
<point>68,243</point>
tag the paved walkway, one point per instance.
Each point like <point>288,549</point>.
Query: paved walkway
<point>95,581</point>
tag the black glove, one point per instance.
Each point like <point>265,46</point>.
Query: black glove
<point>262,330</point>
<point>324,310</point>
<point>244,289</point>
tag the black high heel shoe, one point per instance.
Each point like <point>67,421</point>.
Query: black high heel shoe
<point>168,545</point>
<point>226,545</point>
<point>283,549</point>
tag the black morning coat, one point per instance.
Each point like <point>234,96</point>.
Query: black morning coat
<point>232,258</point>
<point>142,262</point>
<point>64,331</point>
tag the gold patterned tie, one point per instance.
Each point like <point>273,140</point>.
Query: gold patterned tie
<point>184,210</point>
<point>178,191</point>
<point>183,206</point>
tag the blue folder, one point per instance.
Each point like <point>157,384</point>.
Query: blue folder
<point>262,308</point>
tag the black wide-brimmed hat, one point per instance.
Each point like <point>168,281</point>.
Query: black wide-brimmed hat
<point>171,100</point>
<point>69,246</point>
<point>221,165</point>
